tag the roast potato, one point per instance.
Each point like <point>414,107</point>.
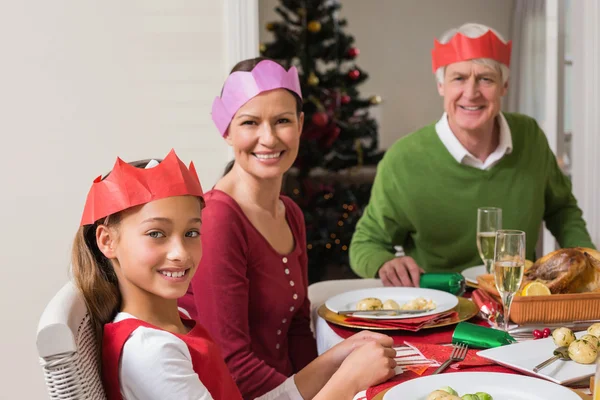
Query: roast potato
<point>583,352</point>
<point>563,337</point>
<point>369,303</point>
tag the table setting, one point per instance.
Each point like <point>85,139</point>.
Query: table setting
<point>456,331</point>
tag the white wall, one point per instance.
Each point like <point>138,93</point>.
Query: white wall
<point>586,119</point>
<point>395,38</point>
<point>83,81</point>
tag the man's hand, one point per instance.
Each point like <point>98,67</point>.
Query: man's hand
<point>401,271</point>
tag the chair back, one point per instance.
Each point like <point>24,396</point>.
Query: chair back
<point>67,348</point>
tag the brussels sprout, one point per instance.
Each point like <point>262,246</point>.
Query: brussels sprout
<point>449,390</point>
<point>484,396</point>
<point>470,397</point>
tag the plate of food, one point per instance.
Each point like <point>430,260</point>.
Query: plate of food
<point>416,302</point>
<point>525,356</point>
<point>480,386</point>
<point>471,274</point>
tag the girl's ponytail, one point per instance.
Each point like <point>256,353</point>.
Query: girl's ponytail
<point>95,277</point>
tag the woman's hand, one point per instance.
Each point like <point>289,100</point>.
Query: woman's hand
<point>401,271</point>
<point>338,353</point>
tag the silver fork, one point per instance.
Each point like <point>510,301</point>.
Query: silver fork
<point>459,352</point>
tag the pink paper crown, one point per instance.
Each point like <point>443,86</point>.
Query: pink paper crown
<point>463,48</point>
<point>242,86</point>
<point>128,186</point>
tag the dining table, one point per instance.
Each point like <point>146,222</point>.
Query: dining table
<point>423,344</point>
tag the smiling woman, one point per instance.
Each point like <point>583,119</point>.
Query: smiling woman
<point>250,291</point>
<point>255,263</point>
<point>247,66</point>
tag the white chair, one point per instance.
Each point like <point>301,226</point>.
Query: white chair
<point>68,349</point>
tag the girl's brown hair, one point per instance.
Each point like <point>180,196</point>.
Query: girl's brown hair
<point>94,274</point>
<point>247,66</point>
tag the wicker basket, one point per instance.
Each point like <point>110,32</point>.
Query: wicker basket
<point>548,309</point>
<point>555,308</point>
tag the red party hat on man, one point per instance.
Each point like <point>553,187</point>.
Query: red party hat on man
<point>463,48</point>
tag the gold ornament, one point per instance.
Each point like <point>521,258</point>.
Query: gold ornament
<point>314,26</point>
<point>301,12</point>
<point>262,47</point>
<point>313,80</point>
<point>270,26</point>
<point>375,100</point>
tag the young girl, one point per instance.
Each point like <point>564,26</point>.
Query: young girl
<point>134,255</point>
<point>251,291</point>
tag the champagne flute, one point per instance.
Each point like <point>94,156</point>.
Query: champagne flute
<point>489,220</point>
<point>509,265</point>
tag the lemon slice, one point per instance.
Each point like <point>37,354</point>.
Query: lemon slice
<point>528,264</point>
<point>535,289</point>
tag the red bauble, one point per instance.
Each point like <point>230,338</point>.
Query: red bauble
<point>353,52</point>
<point>354,74</point>
<point>320,119</point>
<point>331,136</point>
<point>345,99</point>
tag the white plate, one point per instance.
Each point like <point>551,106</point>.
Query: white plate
<point>347,301</point>
<point>499,386</point>
<point>472,273</point>
<point>526,355</point>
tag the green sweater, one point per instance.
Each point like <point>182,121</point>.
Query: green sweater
<point>426,201</point>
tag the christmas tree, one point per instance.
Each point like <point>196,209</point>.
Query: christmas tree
<point>338,134</point>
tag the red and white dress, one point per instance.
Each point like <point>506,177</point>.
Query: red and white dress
<point>142,361</point>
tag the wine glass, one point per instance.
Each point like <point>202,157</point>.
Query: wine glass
<point>489,220</point>
<point>509,265</point>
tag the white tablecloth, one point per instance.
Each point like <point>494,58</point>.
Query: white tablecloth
<point>318,294</point>
<point>326,337</point>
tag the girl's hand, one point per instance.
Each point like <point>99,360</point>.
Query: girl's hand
<point>368,365</point>
<point>339,352</point>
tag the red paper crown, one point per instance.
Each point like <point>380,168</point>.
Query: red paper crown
<point>128,186</point>
<point>463,48</point>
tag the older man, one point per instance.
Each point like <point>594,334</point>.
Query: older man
<point>430,183</point>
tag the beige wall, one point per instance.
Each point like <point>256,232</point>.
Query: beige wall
<point>82,82</point>
<point>395,38</point>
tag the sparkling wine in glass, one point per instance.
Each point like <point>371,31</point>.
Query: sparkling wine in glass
<point>509,265</point>
<point>489,220</point>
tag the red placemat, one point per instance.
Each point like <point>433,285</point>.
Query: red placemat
<point>407,324</point>
<point>435,335</point>
<point>441,335</point>
<point>442,353</point>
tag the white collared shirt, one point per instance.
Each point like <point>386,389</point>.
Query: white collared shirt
<point>462,155</point>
